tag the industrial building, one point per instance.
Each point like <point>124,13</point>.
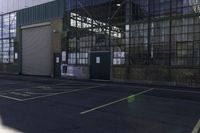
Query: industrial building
<point>117,40</point>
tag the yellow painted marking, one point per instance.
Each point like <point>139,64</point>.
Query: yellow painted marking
<point>131,98</point>
<point>197,127</point>
<point>114,102</point>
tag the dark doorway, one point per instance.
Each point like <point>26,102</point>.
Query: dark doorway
<point>100,65</point>
<point>57,65</point>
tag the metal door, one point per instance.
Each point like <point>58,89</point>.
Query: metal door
<point>100,65</point>
<point>57,65</point>
<point>36,51</point>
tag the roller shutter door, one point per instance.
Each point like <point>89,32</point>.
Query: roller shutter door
<point>36,49</point>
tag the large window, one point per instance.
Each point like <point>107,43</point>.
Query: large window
<point>139,43</point>
<point>7,36</point>
<point>159,40</point>
<point>160,8</point>
<point>182,7</point>
<point>136,32</point>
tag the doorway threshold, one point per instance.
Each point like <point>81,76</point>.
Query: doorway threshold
<point>102,80</point>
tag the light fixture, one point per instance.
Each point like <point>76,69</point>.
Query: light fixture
<point>54,31</point>
<point>118,5</point>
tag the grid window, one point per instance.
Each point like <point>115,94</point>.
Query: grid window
<point>160,8</point>
<point>1,27</point>
<point>139,43</point>
<point>72,58</point>
<point>12,24</point>
<point>136,32</point>
<point>7,36</point>
<point>1,51</point>
<point>118,58</point>
<point>6,26</point>
<point>185,41</point>
<point>160,42</point>
<point>138,9</point>
<point>183,7</point>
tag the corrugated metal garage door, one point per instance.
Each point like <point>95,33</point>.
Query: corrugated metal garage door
<point>36,49</point>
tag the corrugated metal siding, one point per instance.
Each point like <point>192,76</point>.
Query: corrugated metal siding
<point>36,51</point>
<point>41,13</point>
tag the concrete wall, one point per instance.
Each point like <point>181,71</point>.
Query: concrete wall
<point>154,74</point>
<point>57,30</point>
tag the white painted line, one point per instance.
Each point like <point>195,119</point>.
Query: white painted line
<point>114,102</point>
<point>66,92</point>
<point>48,95</point>
<point>20,94</point>
<point>12,98</point>
<point>25,89</point>
<point>196,128</point>
<point>21,89</point>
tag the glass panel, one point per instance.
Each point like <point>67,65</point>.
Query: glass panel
<point>0,27</point>
<point>140,29</point>
<point>13,25</point>
<point>8,34</point>
<point>6,26</point>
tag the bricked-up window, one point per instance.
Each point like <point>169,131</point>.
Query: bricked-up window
<point>7,36</point>
<point>185,41</point>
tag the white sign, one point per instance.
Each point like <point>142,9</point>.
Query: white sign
<point>64,55</point>
<point>57,60</point>
<point>16,56</point>
<point>98,60</point>
<point>70,71</point>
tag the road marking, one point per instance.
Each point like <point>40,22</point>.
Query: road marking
<point>66,92</point>
<point>20,89</point>
<point>12,98</point>
<point>48,95</point>
<point>117,101</point>
<point>20,94</point>
<point>197,127</point>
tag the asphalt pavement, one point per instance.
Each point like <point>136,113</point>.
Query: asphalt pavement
<point>44,105</point>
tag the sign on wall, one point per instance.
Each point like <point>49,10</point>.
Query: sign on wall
<point>64,56</point>
<point>98,60</point>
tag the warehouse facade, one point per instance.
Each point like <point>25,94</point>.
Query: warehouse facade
<point>28,42</point>
<point>123,40</point>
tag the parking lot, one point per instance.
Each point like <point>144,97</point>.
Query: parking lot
<point>44,105</point>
